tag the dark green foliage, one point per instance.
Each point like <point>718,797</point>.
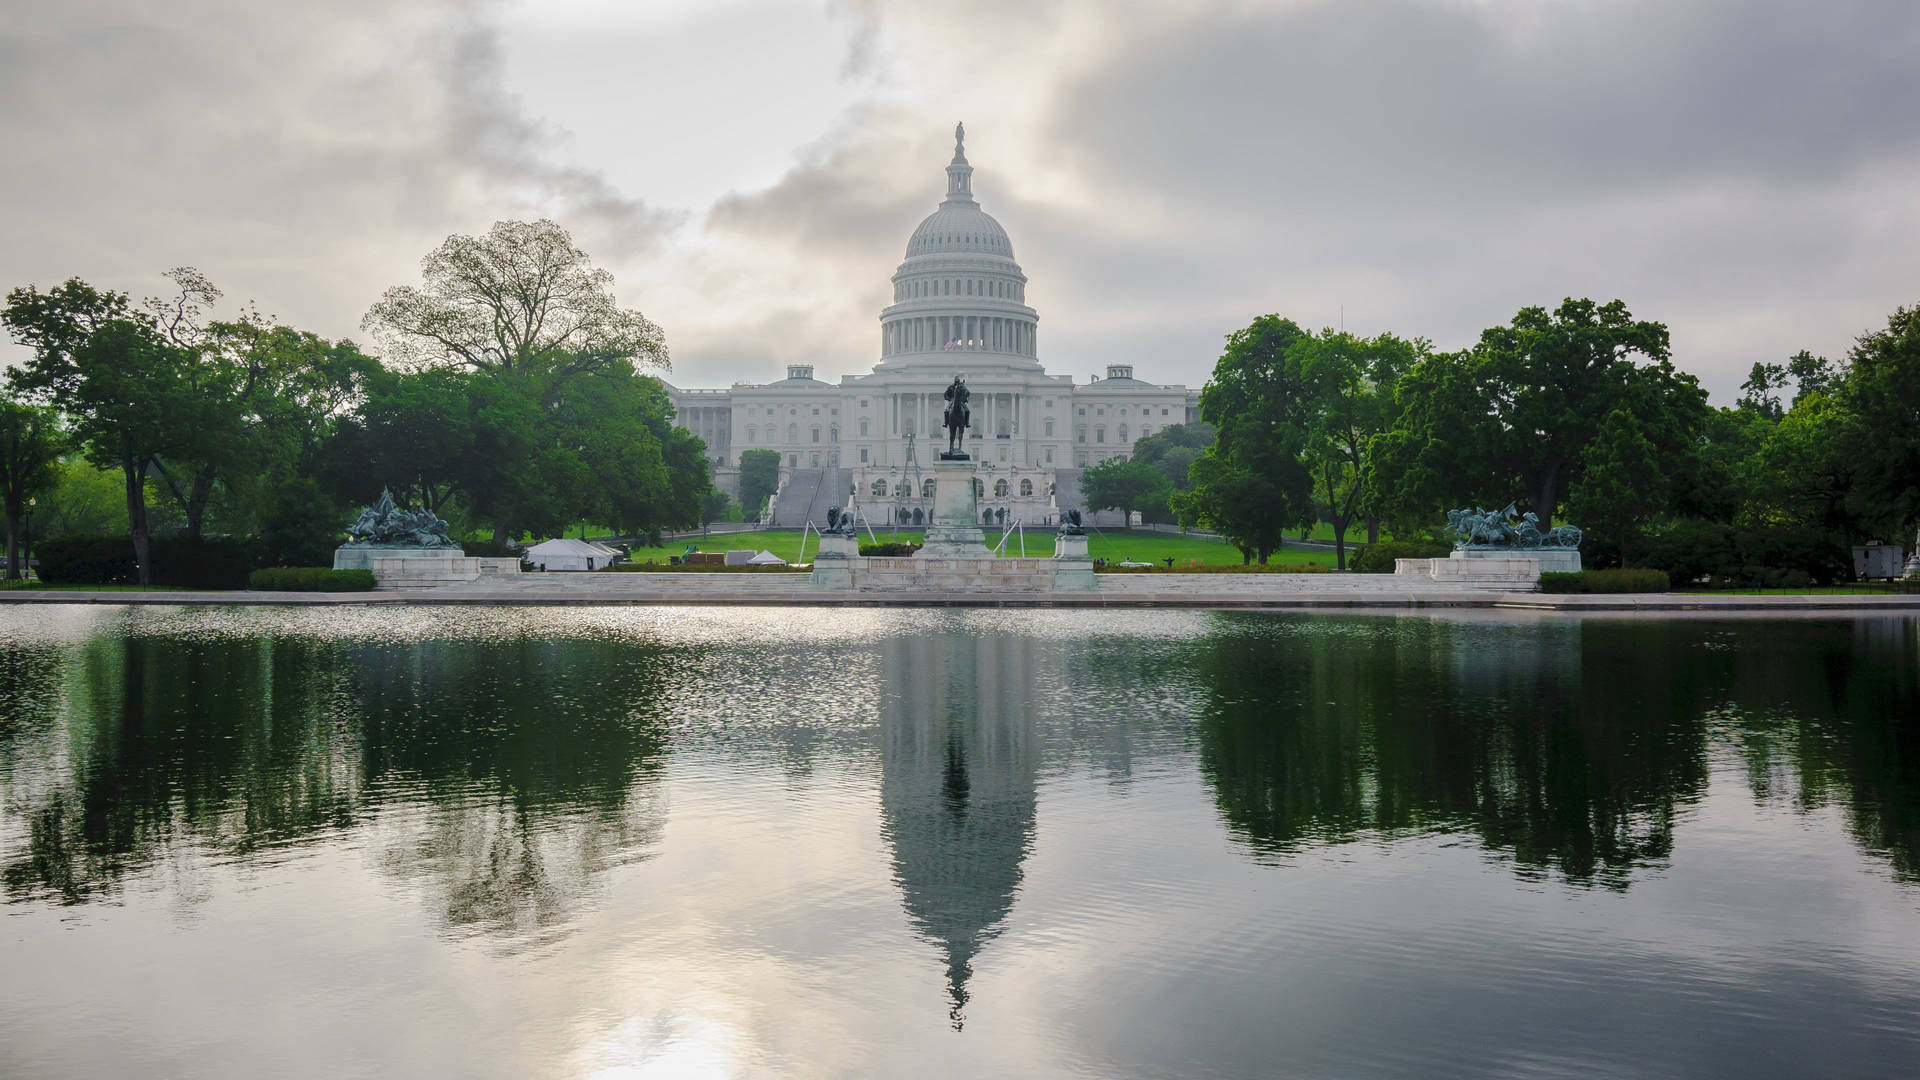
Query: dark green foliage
<point>1378,558</point>
<point>1605,581</point>
<point>488,549</point>
<point>310,579</point>
<point>890,549</point>
<point>1709,554</point>
<point>759,478</point>
<point>30,446</point>
<point>1126,486</point>
<point>177,561</point>
<point>1173,449</point>
<point>300,526</point>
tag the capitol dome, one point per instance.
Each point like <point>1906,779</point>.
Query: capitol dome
<point>959,288</point>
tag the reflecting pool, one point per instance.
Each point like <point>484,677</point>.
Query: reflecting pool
<point>735,842</point>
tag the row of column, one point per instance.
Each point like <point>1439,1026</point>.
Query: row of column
<point>932,333</point>
<point>927,411</point>
<point>710,423</point>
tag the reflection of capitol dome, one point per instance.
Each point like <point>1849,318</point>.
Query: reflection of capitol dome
<point>956,793</point>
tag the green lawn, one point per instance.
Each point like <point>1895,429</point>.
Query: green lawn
<point>1112,544</point>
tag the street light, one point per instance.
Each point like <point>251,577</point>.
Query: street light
<point>26,560</point>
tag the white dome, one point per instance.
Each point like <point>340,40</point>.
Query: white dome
<point>959,228</point>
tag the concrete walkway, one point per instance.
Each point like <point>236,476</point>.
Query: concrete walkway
<point>793,590</point>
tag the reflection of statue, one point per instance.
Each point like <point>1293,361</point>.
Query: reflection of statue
<point>386,525</point>
<point>958,418</point>
<point>1070,524</point>
<point>1479,528</point>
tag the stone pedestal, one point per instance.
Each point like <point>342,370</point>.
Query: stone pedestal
<point>1072,566</point>
<point>421,568</point>
<point>833,566</point>
<point>953,532</point>
<point>1549,560</point>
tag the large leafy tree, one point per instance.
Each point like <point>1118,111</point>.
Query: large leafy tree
<point>1252,483</point>
<point>1519,413</point>
<point>759,479</point>
<point>1125,486</point>
<point>126,389</point>
<point>510,302</point>
<point>31,442</point>
<point>1173,449</point>
<point>1348,385</point>
<point>1882,388</point>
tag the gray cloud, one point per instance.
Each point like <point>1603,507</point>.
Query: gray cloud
<point>304,156</point>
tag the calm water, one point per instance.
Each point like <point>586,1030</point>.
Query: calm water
<point>686,843</point>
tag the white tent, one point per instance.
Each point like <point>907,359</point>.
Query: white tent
<point>766,558</point>
<point>566,553</point>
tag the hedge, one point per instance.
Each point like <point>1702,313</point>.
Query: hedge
<point>1378,558</point>
<point>310,579</point>
<point>1605,581</point>
<point>177,561</point>
<point>891,548</point>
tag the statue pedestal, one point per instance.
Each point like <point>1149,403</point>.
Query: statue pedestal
<point>1072,566</point>
<point>953,531</point>
<point>833,566</point>
<point>420,568</point>
<point>1550,560</point>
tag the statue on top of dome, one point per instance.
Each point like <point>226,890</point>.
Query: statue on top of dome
<point>958,418</point>
<point>959,135</point>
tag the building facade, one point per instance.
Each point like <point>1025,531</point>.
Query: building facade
<point>959,308</point>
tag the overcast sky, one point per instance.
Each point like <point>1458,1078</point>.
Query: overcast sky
<point>1742,170</point>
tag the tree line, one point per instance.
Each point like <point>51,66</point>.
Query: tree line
<point>1576,413</point>
<point>510,394</point>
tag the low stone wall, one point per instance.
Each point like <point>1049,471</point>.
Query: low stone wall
<point>952,574</point>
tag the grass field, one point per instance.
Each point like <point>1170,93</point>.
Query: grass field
<point>1112,544</point>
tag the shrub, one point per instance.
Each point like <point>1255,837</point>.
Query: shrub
<point>891,548</point>
<point>310,579</point>
<point>346,581</point>
<point>178,561</point>
<point>1378,558</point>
<point>1605,581</point>
<point>487,549</point>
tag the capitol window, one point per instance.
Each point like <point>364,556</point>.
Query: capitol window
<point>793,432</point>
<point>1000,489</point>
<point>1123,433</point>
<point>1100,433</point>
<point>926,488</point>
<point>815,434</point>
<point>863,429</point>
<point>1049,431</point>
<point>1049,455</point>
<point>1163,412</point>
<point>863,455</point>
<point>1080,433</point>
<point>752,433</point>
<point>879,489</point>
<point>1026,489</point>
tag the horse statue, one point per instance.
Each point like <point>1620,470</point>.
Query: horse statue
<point>957,418</point>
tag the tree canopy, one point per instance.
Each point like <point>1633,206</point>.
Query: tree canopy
<point>514,302</point>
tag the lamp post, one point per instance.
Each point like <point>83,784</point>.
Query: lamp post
<point>26,558</point>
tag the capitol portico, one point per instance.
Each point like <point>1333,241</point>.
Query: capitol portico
<point>960,308</point>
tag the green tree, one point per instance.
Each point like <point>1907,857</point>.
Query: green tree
<point>759,479</point>
<point>509,303</point>
<point>1348,385</point>
<point>1518,413</point>
<point>1252,482</point>
<point>300,525</point>
<point>1623,487</point>
<point>84,500</point>
<point>30,446</point>
<point>1125,486</point>
<point>125,388</point>
<point>1173,449</point>
<point>1882,388</point>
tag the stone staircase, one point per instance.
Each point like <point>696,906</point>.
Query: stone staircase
<point>948,575</point>
<point>807,495</point>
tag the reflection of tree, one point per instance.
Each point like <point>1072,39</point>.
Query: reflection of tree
<point>1570,744</point>
<point>958,756</point>
<point>1497,729</point>
<point>515,763</point>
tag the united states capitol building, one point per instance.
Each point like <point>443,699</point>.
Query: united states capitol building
<point>959,308</point>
